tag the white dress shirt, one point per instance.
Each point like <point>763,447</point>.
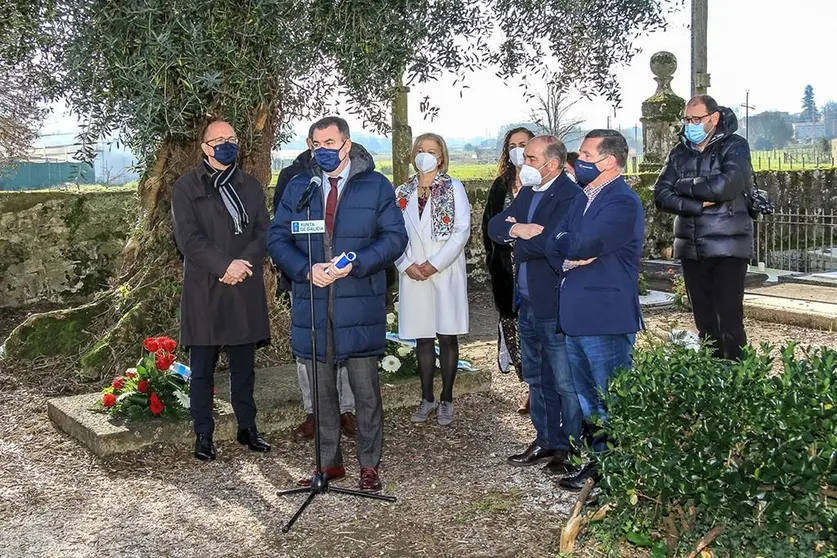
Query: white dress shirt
<point>341,183</point>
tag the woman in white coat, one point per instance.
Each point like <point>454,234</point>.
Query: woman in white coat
<point>433,282</point>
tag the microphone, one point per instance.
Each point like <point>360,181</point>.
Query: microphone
<point>315,182</point>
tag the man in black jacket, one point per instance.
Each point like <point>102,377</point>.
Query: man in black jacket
<point>220,221</point>
<point>704,183</point>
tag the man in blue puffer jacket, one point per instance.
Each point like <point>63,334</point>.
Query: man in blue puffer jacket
<point>358,207</point>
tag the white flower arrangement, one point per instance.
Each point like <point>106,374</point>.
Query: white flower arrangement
<point>400,357</point>
<point>391,364</point>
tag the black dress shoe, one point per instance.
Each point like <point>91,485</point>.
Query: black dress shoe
<point>251,438</point>
<point>204,448</point>
<point>533,455</point>
<point>576,482</point>
<point>560,464</point>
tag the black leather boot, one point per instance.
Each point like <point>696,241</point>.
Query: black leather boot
<point>251,438</point>
<point>204,448</point>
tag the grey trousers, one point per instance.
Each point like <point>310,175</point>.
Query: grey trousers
<point>363,377</point>
<point>344,390</point>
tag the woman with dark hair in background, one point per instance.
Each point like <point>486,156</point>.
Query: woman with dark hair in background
<point>569,166</point>
<point>499,257</point>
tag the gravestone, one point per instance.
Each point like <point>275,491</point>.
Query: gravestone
<point>661,114</point>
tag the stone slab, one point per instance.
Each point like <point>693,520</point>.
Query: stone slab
<point>826,279</point>
<point>656,299</point>
<point>656,273</point>
<point>789,311</point>
<point>799,291</point>
<point>277,397</point>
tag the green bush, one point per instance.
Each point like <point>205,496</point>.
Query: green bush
<point>708,442</point>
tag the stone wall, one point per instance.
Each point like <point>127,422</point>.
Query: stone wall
<point>63,246</point>
<point>60,247</point>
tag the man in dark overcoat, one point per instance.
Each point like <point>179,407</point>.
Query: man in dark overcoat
<point>220,222</point>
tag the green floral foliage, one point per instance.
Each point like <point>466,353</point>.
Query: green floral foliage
<point>710,442</point>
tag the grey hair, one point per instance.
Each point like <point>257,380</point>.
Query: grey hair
<point>554,150</point>
<point>613,143</point>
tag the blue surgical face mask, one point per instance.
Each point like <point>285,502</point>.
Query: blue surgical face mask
<point>328,159</point>
<point>695,133</point>
<point>225,153</point>
<point>585,172</point>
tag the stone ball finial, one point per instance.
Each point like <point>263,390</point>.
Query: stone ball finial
<point>663,64</point>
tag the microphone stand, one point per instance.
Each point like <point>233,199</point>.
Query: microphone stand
<point>319,481</point>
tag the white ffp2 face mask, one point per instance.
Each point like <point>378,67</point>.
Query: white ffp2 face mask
<point>516,156</point>
<point>530,176</point>
<point>426,162</point>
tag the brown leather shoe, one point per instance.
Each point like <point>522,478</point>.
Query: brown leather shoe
<point>524,406</point>
<point>333,473</point>
<point>348,423</point>
<point>306,429</point>
<point>369,480</point>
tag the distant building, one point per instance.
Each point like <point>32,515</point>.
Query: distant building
<point>829,117</point>
<point>809,131</point>
<point>788,117</point>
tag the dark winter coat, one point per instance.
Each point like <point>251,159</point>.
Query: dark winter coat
<point>212,313</point>
<point>543,279</point>
<point>720,174</point>
<point>367,222</point>
<point>498,257</point>
<point>300,165</point>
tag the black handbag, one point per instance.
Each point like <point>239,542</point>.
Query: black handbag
<point>758,201</point>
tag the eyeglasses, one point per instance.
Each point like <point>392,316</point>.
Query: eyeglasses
<point>218,141</point>
<point>695,119</point>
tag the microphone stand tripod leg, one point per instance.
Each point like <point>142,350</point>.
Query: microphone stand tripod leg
<point>289,524</point>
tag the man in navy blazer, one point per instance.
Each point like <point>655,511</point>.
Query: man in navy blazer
<point>598,245</point>
<point>535,211</point>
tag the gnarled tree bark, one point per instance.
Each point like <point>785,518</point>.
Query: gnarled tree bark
<point>104,337</point>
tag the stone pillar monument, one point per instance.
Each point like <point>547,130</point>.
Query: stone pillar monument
<point>661,115</point>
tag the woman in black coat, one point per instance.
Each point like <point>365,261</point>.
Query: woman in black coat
<point>499,257</point>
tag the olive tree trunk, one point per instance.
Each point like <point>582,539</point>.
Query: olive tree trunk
<point>104,336</point>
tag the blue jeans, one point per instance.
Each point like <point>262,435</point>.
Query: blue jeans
<point>593,360</point>
<point>553,403</point>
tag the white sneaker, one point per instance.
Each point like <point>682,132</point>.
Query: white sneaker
<point>424,410</point>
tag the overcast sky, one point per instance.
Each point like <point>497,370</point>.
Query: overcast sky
<point>771,48</point>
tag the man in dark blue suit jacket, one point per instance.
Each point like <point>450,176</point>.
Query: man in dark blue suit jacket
<point>599,245</point>
<point>536,210</point>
